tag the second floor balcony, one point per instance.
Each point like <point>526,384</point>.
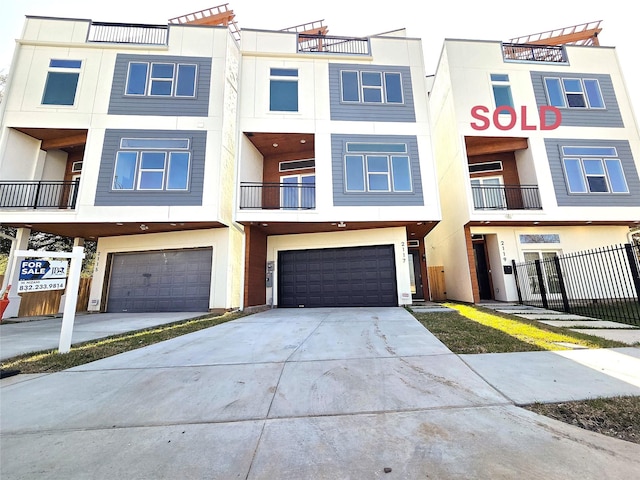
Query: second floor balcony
<point>278,196</point>
<point>505,197</point>
<point>39,194</point>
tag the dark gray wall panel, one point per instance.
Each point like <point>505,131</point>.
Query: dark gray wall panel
<point>105,196</point>
<point>582,117</point>
<point>566,199</point>
<point>360,112</point>
<point>119,104</point>
<point>343,198</point>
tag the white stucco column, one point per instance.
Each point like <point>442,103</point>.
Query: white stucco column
<point>13,272</point>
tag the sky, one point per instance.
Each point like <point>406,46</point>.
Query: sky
<point>430,21</point>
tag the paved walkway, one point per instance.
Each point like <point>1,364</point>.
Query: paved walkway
<point>305,394</point>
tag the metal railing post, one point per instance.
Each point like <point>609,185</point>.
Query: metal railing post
<point>543,290</point>
<point>563,289</point>
<point>633,265</point>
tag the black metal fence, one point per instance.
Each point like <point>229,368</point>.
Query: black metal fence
<point>506,197</point>
<point>534,53</point>
<point>603,283</point>
<point>103,32</point>
<point>278,196</point>
<point>43,194</point>
<point>329,44</point>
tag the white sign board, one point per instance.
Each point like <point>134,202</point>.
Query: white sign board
<point>40,275</point>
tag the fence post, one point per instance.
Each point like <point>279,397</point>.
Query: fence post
<point>633,265</point>
<point>563,289</point>
<point>37,198</point>
<point>515,274</point>
<point>543,291</point>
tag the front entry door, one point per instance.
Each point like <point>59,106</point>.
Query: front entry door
<point>415,272</point>
<point>482,270</point>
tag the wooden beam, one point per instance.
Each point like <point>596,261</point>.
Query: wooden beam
<point>486,145</point>
<point>64,142</point>
<point>223,18</point>
<point>569,38</point>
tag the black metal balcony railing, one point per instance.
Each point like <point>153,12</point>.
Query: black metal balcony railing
<point>43,194</point>
<point>103,32</point>
<point>506,197</point>
<point>534,53</point>
<point>329,44</point>
<point>278,196</point>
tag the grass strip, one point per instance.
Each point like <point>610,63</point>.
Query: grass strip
<point>48,361</point>
<point>524,332</point>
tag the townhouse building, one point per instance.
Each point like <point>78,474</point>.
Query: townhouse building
<point>538,154</point>
<point>217,170</point>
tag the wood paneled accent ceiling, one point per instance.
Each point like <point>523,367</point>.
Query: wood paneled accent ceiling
<point>486,145</point>
<point>69,140</point>
<point>281,143</point>
<point>415,229</point>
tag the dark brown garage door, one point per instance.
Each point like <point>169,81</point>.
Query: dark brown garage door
<point>337,277</point>
<point>166,281</point>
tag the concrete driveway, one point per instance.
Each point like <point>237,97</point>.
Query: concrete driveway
<point>353,393</point>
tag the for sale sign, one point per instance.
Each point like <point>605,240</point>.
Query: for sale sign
<point>39,275</point>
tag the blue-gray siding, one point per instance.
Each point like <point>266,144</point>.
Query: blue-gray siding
<point>121,104</point>
<point>343,198</point>
<point>380,112</point>
<point>566,199</point>
<point>105,196</point>
<point>581,117</point>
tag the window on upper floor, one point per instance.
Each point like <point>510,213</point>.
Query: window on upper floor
<point>501,90</point>
<point>593,170</point>
<point>152,164</point>
<point>377,167</point>
<point>283,90</point>
<point>371,87</point>
<point>159,79</point>
<point>574,92</point>
<point>62,82</point>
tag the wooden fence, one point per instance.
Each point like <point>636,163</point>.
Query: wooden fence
<point>436,283</point>
<point>34,304</point>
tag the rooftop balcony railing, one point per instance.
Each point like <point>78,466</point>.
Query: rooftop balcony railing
<point>329,44</point>
<point>103,32</point>
<point>506,197</point>
<point>278,196</point>
<point>43,194</point>
<point>534,53</point>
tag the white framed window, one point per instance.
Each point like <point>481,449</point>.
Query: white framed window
<point>488,193</point>
<point>298,192</point>
<point>371,87</point>
<point>283,90</point>
<point>593,170</point>
<point>549,275</point>
<point>152,164</point>
<point>377,167</point>
<point>161,79</point>
<point>574,92</point>
<point>501,90</point>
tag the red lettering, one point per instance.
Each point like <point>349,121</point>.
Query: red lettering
<point>523,119</point>
<point>475,113</point>
<point>543,117</point>
<point>512,114</point>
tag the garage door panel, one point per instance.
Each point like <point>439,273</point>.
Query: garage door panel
<point>351,276</point>
<point>178,280</point>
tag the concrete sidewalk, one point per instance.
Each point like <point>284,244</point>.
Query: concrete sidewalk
<point>298,394</point>
<point>24,336</point>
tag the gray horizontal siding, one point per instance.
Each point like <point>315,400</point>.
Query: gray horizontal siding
<point>342,198</point>
<point>360,112</point>
<point>581,117</point>
<point>121,104</point>
<point>105,196</point>
<point>566,199</point>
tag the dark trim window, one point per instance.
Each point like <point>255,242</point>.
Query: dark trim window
<point>371,87</point>
<point>62,82</point>
<point>283,90</point>
<point>160,79</point>
<point>593,170</point>
<point>377,167</point>
<point>501,90</point>
<point>152,164</point>
<point>574,93</point>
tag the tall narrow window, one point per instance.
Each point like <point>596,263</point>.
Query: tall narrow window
<point>501,90</point>
<point>283,90</point>
<point>62,82</point>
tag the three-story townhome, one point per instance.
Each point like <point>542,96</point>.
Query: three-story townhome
<point>125,134</point>
<point>336,181</point>
<point>538,154</point>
